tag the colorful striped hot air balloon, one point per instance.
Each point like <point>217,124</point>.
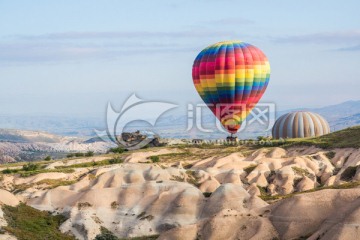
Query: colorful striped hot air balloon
<point>231,77</point>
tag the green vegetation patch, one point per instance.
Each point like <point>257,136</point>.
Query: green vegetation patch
<point>117,150</point>
<point>190,178</point>
<point>80,154</point>
<point>199,152</point>
<point>346,138</point>
<point>25,222</point>
<point>171,157</point>
<point>302,172</point>
<point>32,173</point>
<point>348,185</point>
<point>8,171</point>
<point>115,160</point>
<point>51,183</point>
<point>89,154</point>
<point>155,159</point>
<point>107,235</point>
<point>263,191</point>
<point>29,172</point>
<point>250,168</point>
<point>30,167</point>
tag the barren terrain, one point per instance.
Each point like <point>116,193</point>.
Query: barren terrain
<point>190,192</point>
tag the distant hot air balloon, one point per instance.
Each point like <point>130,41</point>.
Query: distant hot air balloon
<point>231,77</point>
<point>300,124</point>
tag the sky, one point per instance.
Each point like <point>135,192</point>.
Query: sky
<point>73,57</point>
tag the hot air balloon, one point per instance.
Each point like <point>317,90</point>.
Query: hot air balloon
<point>231,77</point>
<point>300,124</point>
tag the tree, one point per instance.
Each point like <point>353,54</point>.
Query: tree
<point>89,154</point>
<point>30,167</point>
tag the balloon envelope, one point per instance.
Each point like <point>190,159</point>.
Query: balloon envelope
<point>231,77</point>
<point>300,124</point>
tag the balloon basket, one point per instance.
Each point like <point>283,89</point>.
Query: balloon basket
<point>231,139</point>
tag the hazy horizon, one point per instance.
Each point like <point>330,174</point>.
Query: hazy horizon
<point>177,111</point>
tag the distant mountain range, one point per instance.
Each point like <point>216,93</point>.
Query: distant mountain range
<point>24,145</point>
<point>339,116</point>
<point>173,124</point>
<point>61,125</point>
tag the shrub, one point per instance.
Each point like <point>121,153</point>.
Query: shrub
<point>155,159</point>
<point>79,154</point>
<point>89,154</point>
<point>114,205</point>
<point>70,155</point>
<point>7,171</point>
<point>250,168</point>
<point>30,167</point>
<point>263,191</point>
<point>117,150</point>
<point>261,138</point>
<point>207,194</point>
<point>82,205</point>
<point>106,235</point>
<point>48,158</point>
<point>116,160</point>
<point>330,155</point>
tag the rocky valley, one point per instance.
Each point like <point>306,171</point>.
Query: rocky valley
<point>295,191</point>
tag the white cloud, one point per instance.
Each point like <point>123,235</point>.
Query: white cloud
<point>190,34</point>
<point>336,37</point>
<point>64,46</point>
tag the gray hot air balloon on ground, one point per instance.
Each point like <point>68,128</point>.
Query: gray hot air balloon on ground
<point>300,124</point>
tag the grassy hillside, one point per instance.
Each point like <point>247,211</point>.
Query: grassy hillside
<point>26,223</point>
<point>349,137</point>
